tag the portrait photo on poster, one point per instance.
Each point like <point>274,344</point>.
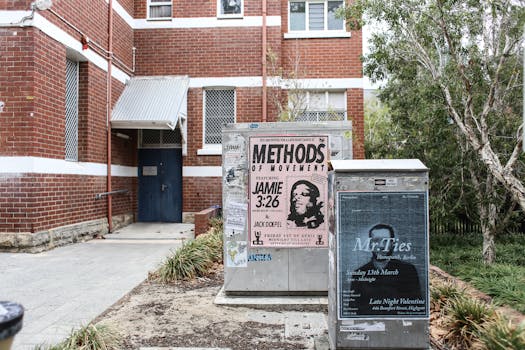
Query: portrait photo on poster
<point>305,206</point>
<point>382,254</point>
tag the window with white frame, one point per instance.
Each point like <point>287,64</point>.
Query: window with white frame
<point>230,8</point>
<point>219,110</point>
<point>314,16</point>
<point>71,129</point>
<point>159,9</point>
<point>321,106</point>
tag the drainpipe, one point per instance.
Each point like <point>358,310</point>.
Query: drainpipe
<point>264,49</point>
<point>108,110</point>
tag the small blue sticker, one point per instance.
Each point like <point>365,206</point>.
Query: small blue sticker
<point>260,257</point>
<point>254,126</point>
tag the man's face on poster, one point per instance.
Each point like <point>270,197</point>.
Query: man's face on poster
<point>381,243</point>
<point>301,199</point>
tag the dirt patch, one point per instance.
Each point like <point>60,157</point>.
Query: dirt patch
<point>184,315</point>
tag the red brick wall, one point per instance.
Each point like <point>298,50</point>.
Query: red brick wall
<point>92,119</point>
<point>16,90</point>
<point>49,97</point>
<point>124,152</point>
<point>32,83</point>
<point>128,5</point>
<point>355,113</point>
<point>91,18</point>
<point>208,8</point>
<point>201,52</point>
<point>323,58</point>
<point>33,203</point>
<point>15,4</point>
<point>199,193</point>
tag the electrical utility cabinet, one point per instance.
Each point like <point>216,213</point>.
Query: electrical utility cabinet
<point>378,257</point>
<point>275,205</point>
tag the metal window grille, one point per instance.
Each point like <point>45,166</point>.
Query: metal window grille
<point>71,130</point>
<point>219,109</point>
<point>160,138</point>
<point>321,116</point>
<point>171,137</point>
<point>150,137</point>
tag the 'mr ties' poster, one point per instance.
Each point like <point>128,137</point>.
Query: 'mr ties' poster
<point>288,191</point>
<point>382,254</point>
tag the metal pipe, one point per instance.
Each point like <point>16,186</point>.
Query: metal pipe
<point>134,53</point>
<point>108,111</point>
<point>104,194</point>
<point>264,49</point>
<point>93,43</point>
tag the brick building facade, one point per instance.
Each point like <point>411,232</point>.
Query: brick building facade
<point>54,91</point>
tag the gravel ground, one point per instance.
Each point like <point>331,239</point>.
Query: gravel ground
<point>184,315</point>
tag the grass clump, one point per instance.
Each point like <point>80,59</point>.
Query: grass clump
<point>501,334</point>
<point>442,293</point>
<point>465,316</point>
<point>90,337</point>
<point>196,257</point>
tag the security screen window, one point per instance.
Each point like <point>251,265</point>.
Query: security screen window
<point>315,106</point>
<point>229,8</point>
<point>219,110</point>
<point>159,9</point>
<point>315,15</point>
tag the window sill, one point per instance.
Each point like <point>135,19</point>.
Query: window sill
<point>230,16</point>
<point>163,19</point>
<point>210,151</point>
<point>320,34</point>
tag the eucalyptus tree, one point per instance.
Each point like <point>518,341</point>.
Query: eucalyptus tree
<point>466,54</point>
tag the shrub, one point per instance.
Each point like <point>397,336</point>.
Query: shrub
<point>501,334</point>
<point>195,258</point>
<point>90,337</point>
<point>464,317</point>
<point>442,293</point>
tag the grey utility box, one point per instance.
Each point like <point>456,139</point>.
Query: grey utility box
<point>378,257</point>
<point>275,194</point>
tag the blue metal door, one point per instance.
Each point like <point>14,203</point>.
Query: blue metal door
<point>160,185</point>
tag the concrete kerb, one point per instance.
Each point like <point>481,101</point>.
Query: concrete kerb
<point>318,302</point>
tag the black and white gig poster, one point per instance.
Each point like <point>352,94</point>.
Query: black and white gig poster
<point>382,255</point>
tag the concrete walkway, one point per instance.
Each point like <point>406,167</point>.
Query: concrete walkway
<point>69,286</point>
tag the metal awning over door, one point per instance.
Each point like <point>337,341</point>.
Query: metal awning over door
<point>158,102</point>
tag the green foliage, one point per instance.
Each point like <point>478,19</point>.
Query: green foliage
<point>195,258</point>
<point>380,130</point>
<point>465,316</point>
<point>453,74</point>
<point>504,280</point>
<point>501,334</point>
<point>442,294</point>
<point>90,337</point>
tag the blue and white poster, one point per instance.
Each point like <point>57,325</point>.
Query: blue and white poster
<point>382,255</point>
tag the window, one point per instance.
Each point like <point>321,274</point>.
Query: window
<point>320,106</point>
<point>71,129</point>
<point>229,8</point>
<point>159,9</point>
<point>219,109</point>
<point>314,16</point>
